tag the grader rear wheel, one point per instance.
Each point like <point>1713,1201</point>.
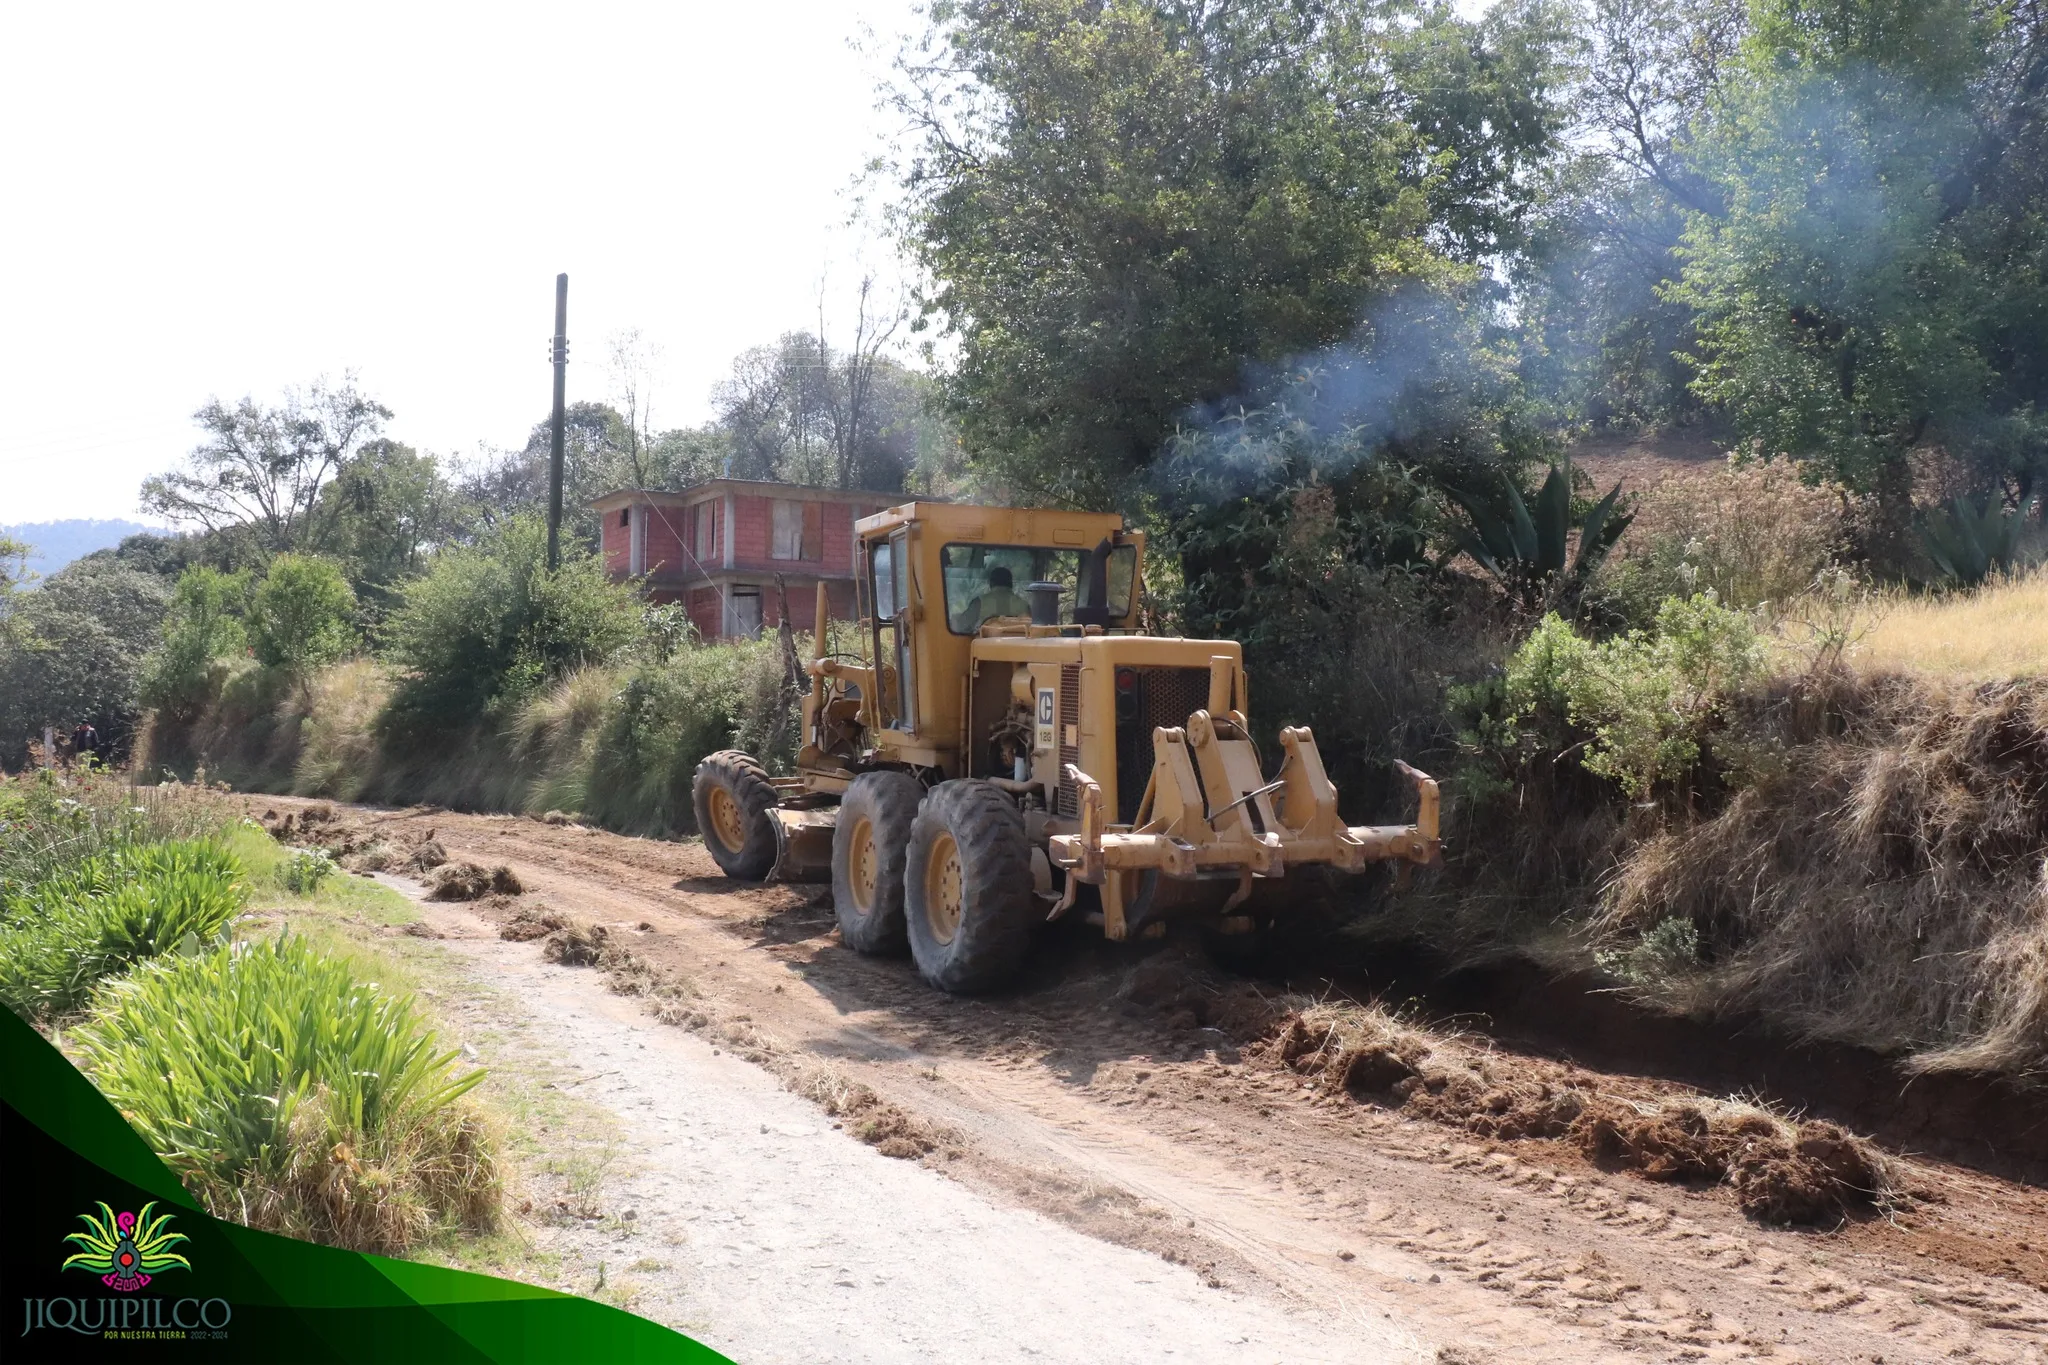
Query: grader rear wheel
<point>870,842</point>
<point>732,797</point>
<point>968,897</point>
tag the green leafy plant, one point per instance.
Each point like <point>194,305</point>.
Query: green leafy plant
<point>1526,545</point>
<point>284,1090</point>
<point>1635,709</point>
<point>100,918</point>
<point>1969,541</point>
<point>302,873</point>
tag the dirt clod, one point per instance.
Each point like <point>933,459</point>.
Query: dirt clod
<point>468,881</point>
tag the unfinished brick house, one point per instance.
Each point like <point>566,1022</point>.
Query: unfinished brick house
<point>717,547</point>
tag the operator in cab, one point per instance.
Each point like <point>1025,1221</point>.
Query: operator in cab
<point>1000,598</point>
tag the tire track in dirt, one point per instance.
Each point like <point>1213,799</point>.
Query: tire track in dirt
<point>1159,1136</point>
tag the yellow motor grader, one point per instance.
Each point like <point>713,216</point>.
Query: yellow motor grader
<point>1008,735</point>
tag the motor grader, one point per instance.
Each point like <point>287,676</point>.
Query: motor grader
<point>1009,736</point>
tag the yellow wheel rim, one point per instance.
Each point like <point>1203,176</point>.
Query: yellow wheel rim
<point>864,866</point>
<point>728,822</point>
<point>942,894</point>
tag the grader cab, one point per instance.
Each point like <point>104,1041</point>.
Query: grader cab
<point>1009,736</point>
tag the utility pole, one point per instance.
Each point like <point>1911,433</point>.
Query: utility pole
<point>559,354</point>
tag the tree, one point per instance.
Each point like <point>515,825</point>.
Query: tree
<point>13,573</point>
<point>202,627</point>
<point>1847,313</point>
<point>301,615</point>
<point>258,476</point>
<point>76,650</point>
<point>1120,206</point>
<point>388,505</point>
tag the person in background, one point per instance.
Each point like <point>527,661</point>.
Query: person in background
<point>85,742</point>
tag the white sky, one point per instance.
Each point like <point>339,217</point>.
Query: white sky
<point>216,201</point>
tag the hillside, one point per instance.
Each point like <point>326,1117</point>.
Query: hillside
<point>57,543</point>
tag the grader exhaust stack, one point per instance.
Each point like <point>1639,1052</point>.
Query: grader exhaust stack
<point>993,761</point>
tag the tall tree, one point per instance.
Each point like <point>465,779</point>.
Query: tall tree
<point>1120,205</point>
<point>258,476</point>
<point>1849,311</point>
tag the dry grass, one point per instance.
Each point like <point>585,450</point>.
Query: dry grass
<point>1751,533</point>
<point>1884,886</point>
<point>1997,631</point>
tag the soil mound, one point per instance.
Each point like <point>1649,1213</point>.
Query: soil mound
<point>466,881</point>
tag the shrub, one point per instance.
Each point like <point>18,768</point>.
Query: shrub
<point>101,917</point>
<point>290,1096</point>
<point>1751,534</point>
<point>621,745</point>
<point>204,628</point>
<point>301,615</point>
<point>302,873</point>
<point>488,628</point>
<point>1636,708</point>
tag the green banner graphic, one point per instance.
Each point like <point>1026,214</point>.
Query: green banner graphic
<point>106,1256</point>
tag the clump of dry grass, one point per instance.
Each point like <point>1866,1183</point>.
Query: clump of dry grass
<point>1884,886</point>
<point>1999,630</point>
<point>1780,1170</point>
<point>865,1114</point>
<point>468,881</point>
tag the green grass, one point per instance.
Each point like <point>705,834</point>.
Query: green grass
<point>100,916</point>
<point>291,1094</point>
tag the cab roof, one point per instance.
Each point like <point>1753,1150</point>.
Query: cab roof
<point>1040,526</point>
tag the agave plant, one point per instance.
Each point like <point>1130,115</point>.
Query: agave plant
<point>1968,541</point>
<point>1526,546</point>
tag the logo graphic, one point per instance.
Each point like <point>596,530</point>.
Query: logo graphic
<point>126,1250</point>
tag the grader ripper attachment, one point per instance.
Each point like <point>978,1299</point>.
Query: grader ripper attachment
<point>1008,736</point>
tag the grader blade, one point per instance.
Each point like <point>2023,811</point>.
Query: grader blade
<point>803,844</point>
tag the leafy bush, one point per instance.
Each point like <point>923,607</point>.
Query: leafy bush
<point>302,873</point>
<point>203,628</point>
<point>301,615</point>
<point>621,745</point>
<point>99,918</point>
<point>1636,708</point>
<point>488,628</point>
<point>291,1096</point>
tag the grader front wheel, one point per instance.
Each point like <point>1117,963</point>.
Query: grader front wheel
<point>732,797</point>
<point>967,888</point>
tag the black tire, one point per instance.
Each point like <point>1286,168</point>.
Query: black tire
<point>743,845</point>
<point>877,811</point>
<point>975,935</point>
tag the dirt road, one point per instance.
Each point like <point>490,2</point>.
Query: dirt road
<point>1095,1178</point>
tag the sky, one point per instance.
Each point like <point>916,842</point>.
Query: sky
<point>219,201</point>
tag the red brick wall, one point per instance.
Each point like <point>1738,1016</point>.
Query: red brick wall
<point>704,613</point>
<point>665,539</point>
<point>803,604</point>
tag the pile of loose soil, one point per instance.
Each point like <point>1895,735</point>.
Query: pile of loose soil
<point>356,845</point>
<point>466,881</point>
<point>1780,1170</point>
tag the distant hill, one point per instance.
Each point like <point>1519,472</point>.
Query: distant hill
<point>57,543</point>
